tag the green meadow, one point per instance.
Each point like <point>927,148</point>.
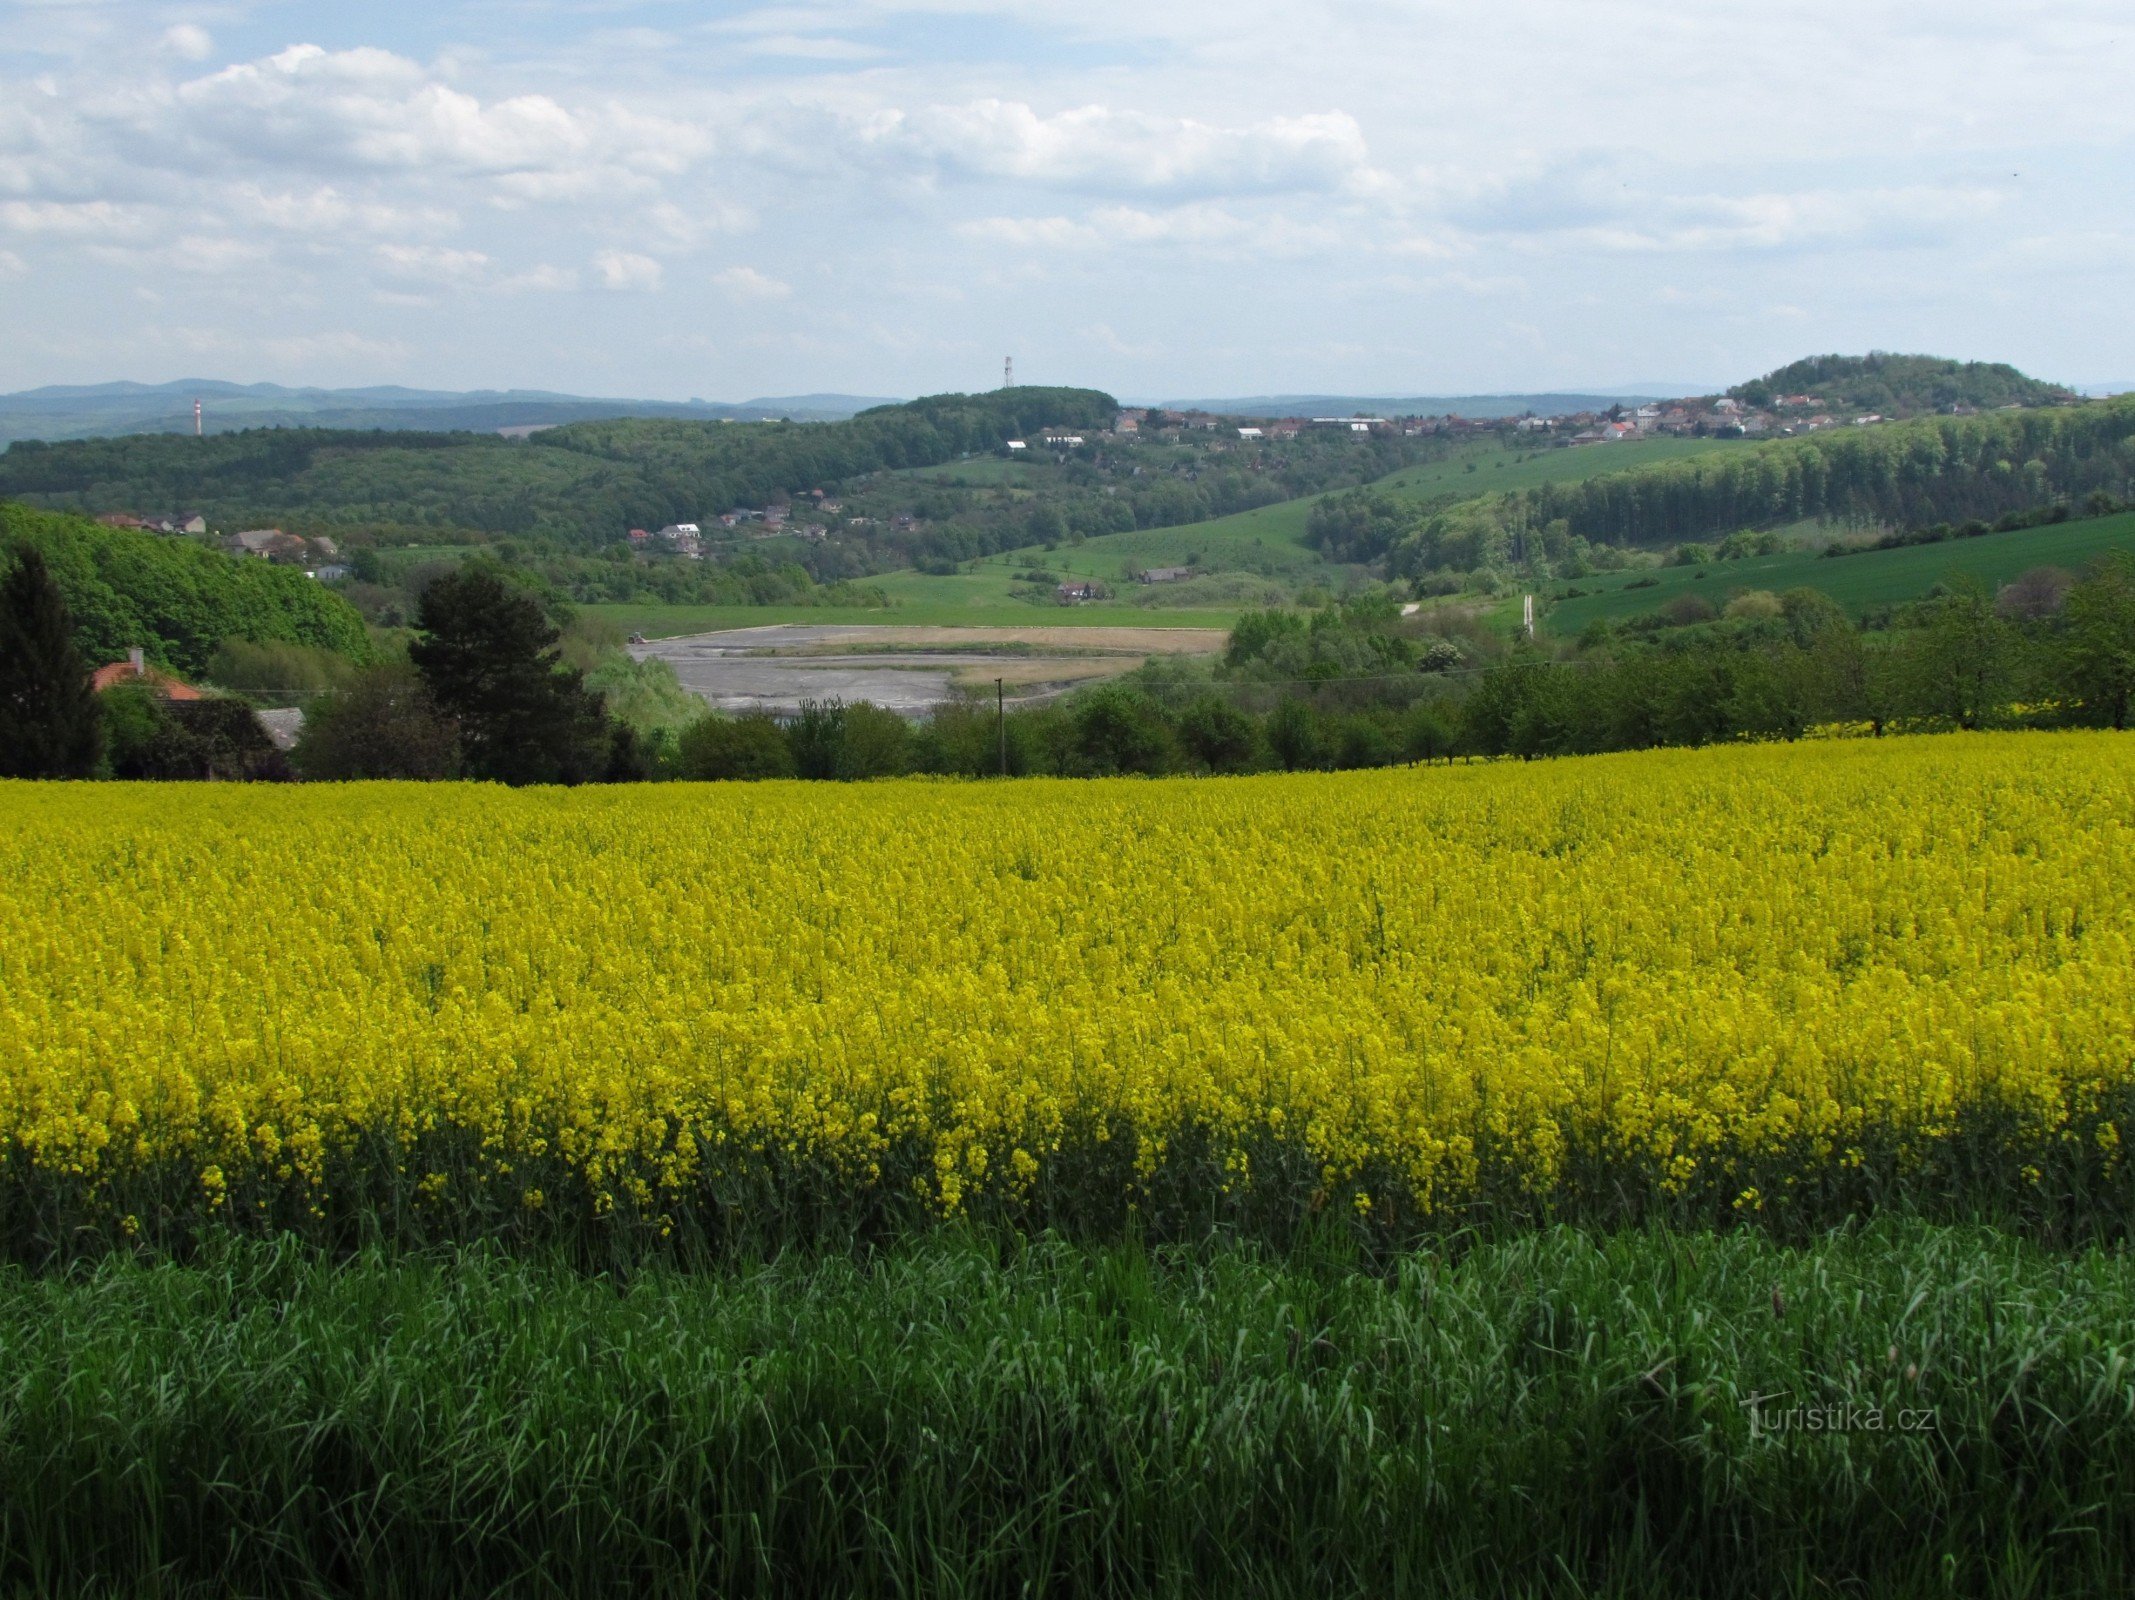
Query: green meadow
<point>1860,582</point>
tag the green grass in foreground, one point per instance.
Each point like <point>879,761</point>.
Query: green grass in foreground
<point>1905,1409</point>
<point>1858,582</point>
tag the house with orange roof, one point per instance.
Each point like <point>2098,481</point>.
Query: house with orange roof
<point>136,670</point>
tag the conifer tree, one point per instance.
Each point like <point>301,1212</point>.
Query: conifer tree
<point>50,723</point>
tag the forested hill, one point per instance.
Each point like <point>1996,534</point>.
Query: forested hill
<point>584,483</point>
<point>1900,386</point>
<point>175,599</point>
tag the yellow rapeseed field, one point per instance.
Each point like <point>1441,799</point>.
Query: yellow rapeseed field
<point>1733,971</point>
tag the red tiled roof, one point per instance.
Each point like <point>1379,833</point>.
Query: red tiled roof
<point>155,678</point>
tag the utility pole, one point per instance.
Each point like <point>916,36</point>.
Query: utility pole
<point>1000,722</point>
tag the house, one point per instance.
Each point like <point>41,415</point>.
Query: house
<point>1127,422</point>
<point>1251,433</point>
<point>271,544</point>
<point>332,572</point>
<point>136,670</point>
<point>1167,574</point>
<point>1726,406</point>
<point>676,532</point>
<point>639,535</point>
<point>1287,429</point>
<point>119,519</point>
<point>1017,444</point>
<point>1067,441</point>
<point>1075,592</point>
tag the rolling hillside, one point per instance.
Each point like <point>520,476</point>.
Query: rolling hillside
<point>1860,582</point>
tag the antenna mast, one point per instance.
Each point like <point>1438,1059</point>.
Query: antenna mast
<point>1008,373</point>
<point>196,419</point>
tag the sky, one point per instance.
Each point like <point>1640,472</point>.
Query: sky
<point>1192,198</point>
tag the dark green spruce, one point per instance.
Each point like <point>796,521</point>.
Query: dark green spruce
<point>49,721</point>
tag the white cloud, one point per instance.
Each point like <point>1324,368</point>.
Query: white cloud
<point>188,41</point>
<point>87,219</point>
<point>433,263</point>
<point>12,265</point>
<point>746,283</point>
<point>368,109</point>
<point>209,253</point>
<point>541,280</point>
<point>620,269</point>
<point>1201,227</point>
<point>1100,149</point>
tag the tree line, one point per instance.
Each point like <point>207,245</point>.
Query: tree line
<point>484,693</point>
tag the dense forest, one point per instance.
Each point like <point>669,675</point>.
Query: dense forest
<point>177,600</point>
<point>1900,385</point>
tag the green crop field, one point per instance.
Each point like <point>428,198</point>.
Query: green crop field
<point>963,1416</point>
<point>1858,582</point>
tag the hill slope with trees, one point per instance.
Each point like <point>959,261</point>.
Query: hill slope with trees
<point>578,485</point>
<point>1898,385</point>
<point>177,600</point>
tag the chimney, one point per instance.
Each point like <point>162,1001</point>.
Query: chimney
<point>137,658</point>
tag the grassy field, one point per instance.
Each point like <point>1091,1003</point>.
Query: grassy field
<point>1497,468</point>
<point>1898,1410</point>
<point>1271,539</point>
<point>1858,582</point>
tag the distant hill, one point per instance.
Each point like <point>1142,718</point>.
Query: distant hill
<point>583,482</point>
<point>1900,385</point>
<point>104,410</point>
<point>1480,407</point>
